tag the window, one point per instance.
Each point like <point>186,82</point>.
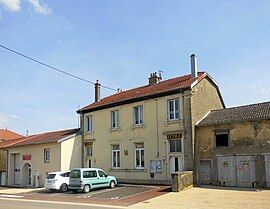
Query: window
<point>47,155</point>
<point>222,139</point>
<point>89,174</point>
<point>65,174</point>
<point>115,119</point>
<point>139,155</point>
<point>75,174</point>
<point>89,150</point>
<point>101,174</point>
<point>138,115</point>
<point>175,145</point>
<point>89,123</point>
<point>173,109</point>
<point>116,156</point>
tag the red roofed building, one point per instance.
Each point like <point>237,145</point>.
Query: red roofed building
<point>31,158</point>
<point>6,137</point>
<point>146,133</point>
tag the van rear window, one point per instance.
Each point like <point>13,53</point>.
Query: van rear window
<point>75,174</point>
<point>51,176</point>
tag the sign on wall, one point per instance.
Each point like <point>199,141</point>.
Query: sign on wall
<point>174,136</point>
<point>26,157</point>
<point>155,166</point>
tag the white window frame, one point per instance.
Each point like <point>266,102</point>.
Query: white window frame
<point>117,158</point>
<point>47,155</point>
<point>115,119</point>
<point>138,108</point>
<point>174,111</point>
<point>89,123</point>
<point>140,156</point>
<point>181,145</point>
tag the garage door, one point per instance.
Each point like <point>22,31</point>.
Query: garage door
<point>236,170</point>
<point>267,168</point>
<point>226,170</point>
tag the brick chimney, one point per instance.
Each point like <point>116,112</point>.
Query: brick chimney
<point>97,91</point>
<point>194,65</point>
<point>154,79</point>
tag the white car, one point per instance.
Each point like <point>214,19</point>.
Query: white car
<point>57,181</point>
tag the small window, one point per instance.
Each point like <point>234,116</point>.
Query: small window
<point>89,150</point>
<point>222,139</point>
<point>173,109</point>
<point>175,145</point>
<point>89,123</point>
<point>139,155</point>
<point>65,174</point>
<point>115,119</point>
<point>50,176</point>
<point>138,115</point>
<point>47,155</point>
<point>101,173</point>
<point>116,156</point>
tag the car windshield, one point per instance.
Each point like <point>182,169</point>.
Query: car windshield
<point>51,176</point>
<point>75,174</point>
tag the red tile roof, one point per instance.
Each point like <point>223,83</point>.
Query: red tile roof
<point>172,84</point>
<point>41,138</point>
<point>7,134</point>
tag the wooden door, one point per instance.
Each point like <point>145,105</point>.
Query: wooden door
<point>245,166</point>
<point>226,170</point>
<point>205,172</point>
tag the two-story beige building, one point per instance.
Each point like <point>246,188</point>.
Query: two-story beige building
<point>31,158</point>
<point>144,134</point>
<point>233,147</point>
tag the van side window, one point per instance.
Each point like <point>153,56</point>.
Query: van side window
<point>101,174</point>
<point>89,174</point>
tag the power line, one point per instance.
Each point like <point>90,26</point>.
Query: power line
<point>53,68</point>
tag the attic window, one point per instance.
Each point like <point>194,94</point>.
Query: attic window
<point>222,139</point>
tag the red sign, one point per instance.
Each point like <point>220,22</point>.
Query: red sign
<point>26,157</point>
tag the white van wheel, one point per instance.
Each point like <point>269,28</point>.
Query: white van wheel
<point>64,188</point>
<point>86,188</point>
<point>112,184</point>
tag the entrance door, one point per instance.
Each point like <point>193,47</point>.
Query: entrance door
<point>226,170</point>
<point>205,172</point>
<point>16,169</point>
<point>29,177</point>
<point>176,164</point>
<point>245,170</point>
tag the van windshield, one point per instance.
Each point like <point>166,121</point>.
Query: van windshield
<point>75,174</point>
<point>51,176</point>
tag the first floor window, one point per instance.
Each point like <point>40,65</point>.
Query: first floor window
<point>47,155</point>
<point>175,145</point>
<point>222,139</point>
<point>139,155</point>
<point>116,156</point>
<point>89,123</point>
<point>115,119</point>
<point>173,109</point>
<point>138,115</point>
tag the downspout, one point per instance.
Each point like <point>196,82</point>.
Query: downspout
<point>157,128</point>
<point>82,140</point>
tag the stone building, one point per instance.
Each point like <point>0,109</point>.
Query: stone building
<point>144,134</point>
<point>233,147</point>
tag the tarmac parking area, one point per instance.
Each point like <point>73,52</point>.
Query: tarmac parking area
<point>121,195</point>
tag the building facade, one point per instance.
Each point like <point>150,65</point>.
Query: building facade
<point>6,137</point>
<point>32,158</point>
<point>233,147</point>
<point>144,134</point>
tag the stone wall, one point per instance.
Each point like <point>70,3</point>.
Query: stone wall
<point>182,180</point>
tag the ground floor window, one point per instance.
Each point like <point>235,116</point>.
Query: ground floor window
<point>116,156</point>
<point>139,155</point>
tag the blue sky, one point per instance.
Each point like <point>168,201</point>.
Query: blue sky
<point>120,43</point>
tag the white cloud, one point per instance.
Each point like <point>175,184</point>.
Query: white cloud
<point>15,6</point>
<point>5,118</point>
<point>40,7</point>
<point>12,5</point>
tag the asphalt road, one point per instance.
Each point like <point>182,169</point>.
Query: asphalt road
<point>6,203</point>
